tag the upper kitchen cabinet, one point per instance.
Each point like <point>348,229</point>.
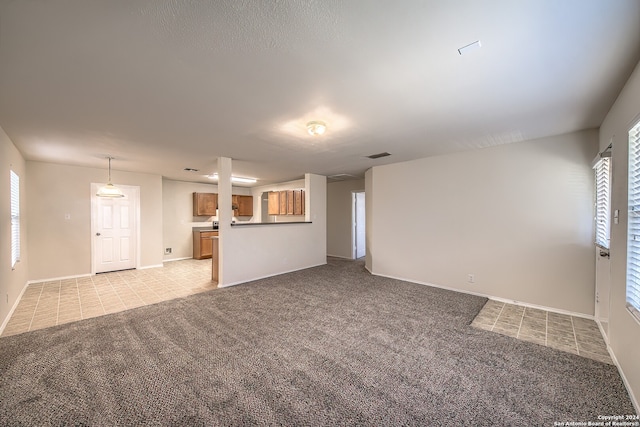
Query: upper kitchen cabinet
<point>287,202</point>
<point>242,205</point>
<point>274,203</point>
<point>298,202</point>
<point>205,204</point>
<point>283,202</point>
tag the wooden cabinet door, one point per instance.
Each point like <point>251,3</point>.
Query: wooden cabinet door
<point>206,245</point>
<point>274,203</point>
<point>297,202</point>
<point>290,202</point>
<point>245,206</point>
<point>283,202</point>
<point>205,204</point>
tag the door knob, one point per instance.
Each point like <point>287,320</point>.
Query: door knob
<point>97,234</point>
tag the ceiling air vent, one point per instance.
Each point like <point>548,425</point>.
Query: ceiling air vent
<point>341,177</point>
<point>377,156</point>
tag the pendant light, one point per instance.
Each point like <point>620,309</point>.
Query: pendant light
<point>109,190</point>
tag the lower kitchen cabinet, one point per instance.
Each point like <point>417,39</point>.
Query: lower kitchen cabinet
<point>203,244</point>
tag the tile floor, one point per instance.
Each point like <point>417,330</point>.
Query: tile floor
<point>563,332</point>
<point>53,303</point>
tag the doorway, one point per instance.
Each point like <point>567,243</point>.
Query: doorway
<point>115,230</point>
<point>359,225</point>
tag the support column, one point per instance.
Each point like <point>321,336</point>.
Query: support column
<point>225,213</point>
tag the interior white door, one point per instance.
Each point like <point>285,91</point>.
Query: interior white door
<point>360,235</point>
<point>115,231</point>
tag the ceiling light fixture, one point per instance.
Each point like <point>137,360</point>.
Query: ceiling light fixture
<point>316,128</point>
<point>236,179</point>
<point>109,190</point>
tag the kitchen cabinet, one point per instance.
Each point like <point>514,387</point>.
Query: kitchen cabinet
<point>203,243</point>
<point>205,204</point>
<point>283,202</point>
<point>274,203</point>
<point>298,202</point>
<point>242,205</point>
<point>287,202</point>
<point>290,200</point>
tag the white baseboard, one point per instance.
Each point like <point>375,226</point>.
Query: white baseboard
<point>15,305</point>
<point>505,300</point>
<point>150,266</point>
<point>543,307</point>
<point>53,279</point>
<point>626,383</point>
<point>226,285</point>
<point>340,256</point>
<point>177,259</point>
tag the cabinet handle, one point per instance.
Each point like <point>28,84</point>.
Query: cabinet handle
<point>97,234</point>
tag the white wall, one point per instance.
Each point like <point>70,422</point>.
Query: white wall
<point>12,282</point>
<point>60,247</point>
<point>624,330</point>
<point>340,217</point>
<point>518,216</point>
<point>256,251</point>
<point>368,202</point>
<point>177,216</point>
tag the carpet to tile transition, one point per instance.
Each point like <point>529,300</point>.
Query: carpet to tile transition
<point>330,345</point>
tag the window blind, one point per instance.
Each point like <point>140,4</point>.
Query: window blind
<point>633,223</point>
<point>603,197</point>
<point>15,219</point>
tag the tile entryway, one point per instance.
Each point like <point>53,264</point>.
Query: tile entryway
<point>560,331</point>
<point>53,303</point>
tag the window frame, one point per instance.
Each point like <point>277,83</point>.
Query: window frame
<point>632,286</point>
<point>15,218</point>
<point>602,217</point>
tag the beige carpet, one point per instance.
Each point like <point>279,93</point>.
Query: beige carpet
<point>331,345</point>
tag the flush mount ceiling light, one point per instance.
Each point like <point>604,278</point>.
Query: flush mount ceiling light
<point>109,190</point>
<point>236,179</point>
<point>316,128</point>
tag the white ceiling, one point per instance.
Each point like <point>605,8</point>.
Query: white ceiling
<point>166,84</point>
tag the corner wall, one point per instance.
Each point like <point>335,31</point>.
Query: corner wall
<point>340,217</point>
<point>624,330</point>
<point>60,247</point>
<point>177,216</point>
<point>519,217</point>
<point>12,282</point>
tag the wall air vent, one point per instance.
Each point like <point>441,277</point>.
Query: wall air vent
<point>377,156</point>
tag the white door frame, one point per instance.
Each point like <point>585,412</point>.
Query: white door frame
<point>354,223</point>
<point>135,197</point>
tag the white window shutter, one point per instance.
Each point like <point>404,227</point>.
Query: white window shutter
<point>15,219</point>
<point>603,197</point>
<point>633,223</point>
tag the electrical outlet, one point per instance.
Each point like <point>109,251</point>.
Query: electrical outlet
<point>471,278</point>
<point>167,251</point>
